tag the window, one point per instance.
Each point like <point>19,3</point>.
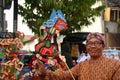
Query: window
<point>112,14</point>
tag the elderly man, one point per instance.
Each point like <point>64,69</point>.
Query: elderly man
<point>97,67</point>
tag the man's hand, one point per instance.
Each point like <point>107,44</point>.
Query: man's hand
<point>39,69</point>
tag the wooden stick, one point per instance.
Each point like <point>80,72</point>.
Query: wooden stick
<point>59,49</point>
<point>64,60</point>
<point>69,71</point>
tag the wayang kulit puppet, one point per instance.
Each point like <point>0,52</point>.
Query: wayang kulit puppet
<point>48,48</point>
<point>47,51</point>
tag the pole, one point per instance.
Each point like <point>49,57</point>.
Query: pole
<point>15,16</point>
<point>1,15</point>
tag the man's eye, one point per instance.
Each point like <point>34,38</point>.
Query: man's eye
<point>89,43</point>
<point>95,43</point>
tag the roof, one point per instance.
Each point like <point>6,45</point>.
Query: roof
<point>29,38</point>
<point>113,3</point>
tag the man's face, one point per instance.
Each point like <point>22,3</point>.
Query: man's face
<point>94,47</point>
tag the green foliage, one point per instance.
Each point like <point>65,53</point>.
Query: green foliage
<point>6,1</point>
<point>78,13</point>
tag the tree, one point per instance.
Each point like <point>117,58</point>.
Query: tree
<point>78,13</point>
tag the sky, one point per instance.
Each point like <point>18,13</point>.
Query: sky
<point>21,26</point>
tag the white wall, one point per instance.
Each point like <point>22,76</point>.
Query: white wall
<point>112,27</point>
<point>21,26</point>
<point>30,46</point>
<point>97,26</point>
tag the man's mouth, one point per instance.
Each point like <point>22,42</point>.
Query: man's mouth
<point>93,51</point>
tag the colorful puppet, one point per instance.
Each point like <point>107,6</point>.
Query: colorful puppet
<point>47,51</point>
<point>10,66</point>
<point>48,30</point>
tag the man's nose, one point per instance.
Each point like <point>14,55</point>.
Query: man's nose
<point>93,45</point>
